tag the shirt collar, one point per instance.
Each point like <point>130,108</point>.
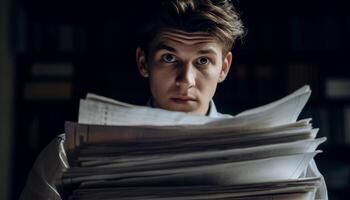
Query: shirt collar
<point>212,110</point>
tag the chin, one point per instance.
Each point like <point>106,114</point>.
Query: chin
<point>191,108</point>
<point>186,109</point>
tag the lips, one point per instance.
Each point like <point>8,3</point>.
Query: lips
<point>183,99</point>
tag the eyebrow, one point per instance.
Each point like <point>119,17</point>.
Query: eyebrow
<point>164,46</point>
<point>207,51</point>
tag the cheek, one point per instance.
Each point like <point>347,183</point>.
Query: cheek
<point>211,75</point>
<point>161,79</point>
<point>208,81</point>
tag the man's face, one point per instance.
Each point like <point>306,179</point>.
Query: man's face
<point>184,69</point>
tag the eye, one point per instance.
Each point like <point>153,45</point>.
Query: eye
<point>202,61</point>
<point>169,58</point>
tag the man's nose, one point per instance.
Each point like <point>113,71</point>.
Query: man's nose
<point>186,76</point>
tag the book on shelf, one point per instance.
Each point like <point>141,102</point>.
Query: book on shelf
<point>48,91</point>
<point>119,150</point>
<point>265,79</point>
<point>49,81</point>
<point>63,70</point>
<point>66,38</point>
<point>337,88</point>
<point>239,83</point>
<point>305,32</point>
<point>301,73</point>
<point>347,124</point>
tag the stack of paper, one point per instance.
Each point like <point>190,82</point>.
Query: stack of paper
<point>121,151</point>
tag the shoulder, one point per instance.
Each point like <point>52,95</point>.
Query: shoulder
<point>46,171</point>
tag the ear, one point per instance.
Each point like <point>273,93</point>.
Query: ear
<point>225,67</point>
<point>141,62</point>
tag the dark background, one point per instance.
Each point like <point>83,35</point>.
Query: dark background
<point>63,49</point>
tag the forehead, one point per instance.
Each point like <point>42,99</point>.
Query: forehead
<point>185,38</point>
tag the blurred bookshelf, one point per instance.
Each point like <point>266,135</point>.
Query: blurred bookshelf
<point>64,49</point>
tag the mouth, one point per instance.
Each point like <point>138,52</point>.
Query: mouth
<point>183,100</point>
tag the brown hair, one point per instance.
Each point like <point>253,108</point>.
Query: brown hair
<point>219,18</point>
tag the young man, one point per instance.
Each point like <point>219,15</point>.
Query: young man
<point>185,53</point>
<point>184,69</point>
